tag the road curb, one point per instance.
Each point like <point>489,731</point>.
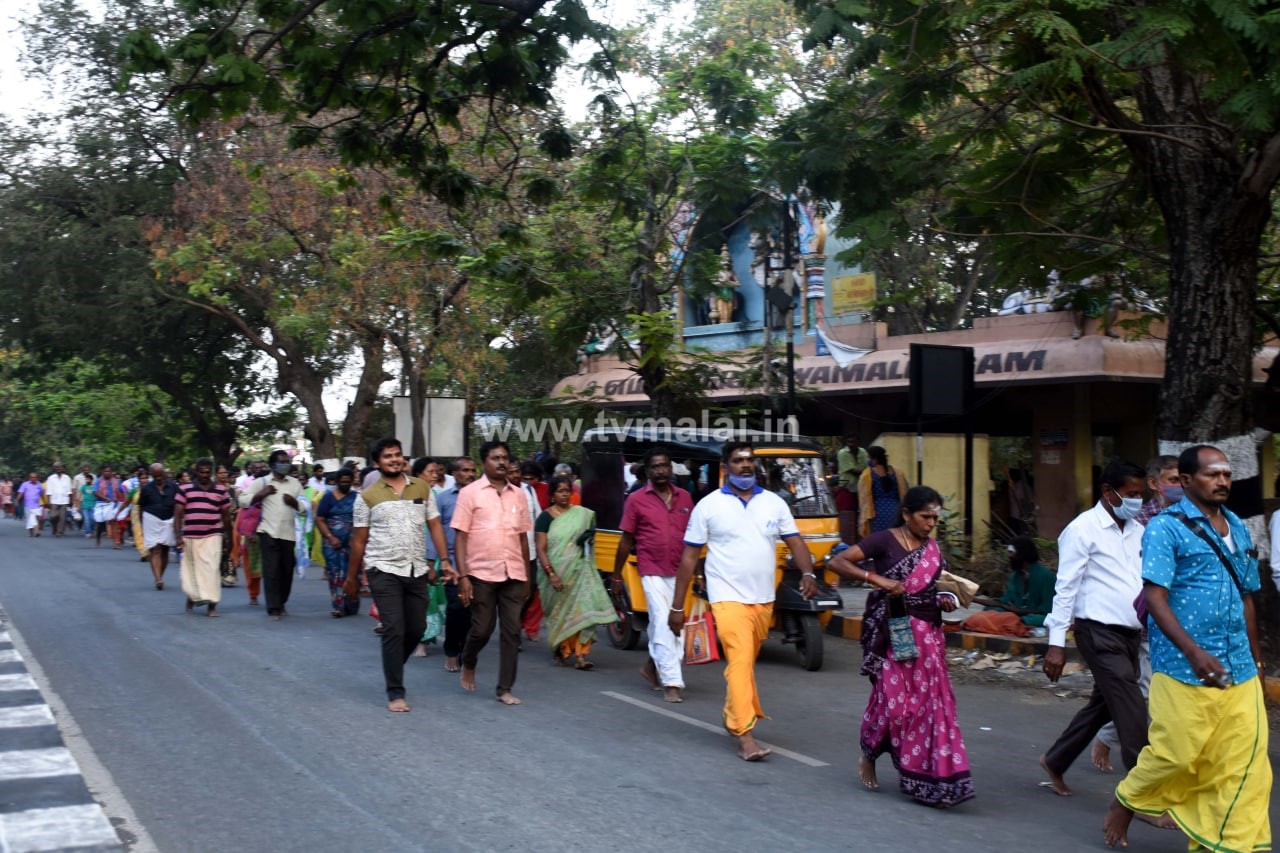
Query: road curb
<point>47,802</point>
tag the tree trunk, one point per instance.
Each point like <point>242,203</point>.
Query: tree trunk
<point>308,387</point>
<point>355,426</point>
<point>1215,206</point>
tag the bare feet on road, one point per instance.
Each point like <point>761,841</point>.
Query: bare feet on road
<point>1115,826</point>
<point>649,673</point>
<point>672,695</point>
<point>398,706</point>
<point>468,680</point>
<point>508,699</point>
<point>749,749</point>
<point>1056,783</point>
<point>1101,756</point>
<point>867,774</point>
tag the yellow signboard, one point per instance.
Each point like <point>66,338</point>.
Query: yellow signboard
<point>851,294</point>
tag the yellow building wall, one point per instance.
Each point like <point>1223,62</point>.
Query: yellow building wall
<point>944,472</point>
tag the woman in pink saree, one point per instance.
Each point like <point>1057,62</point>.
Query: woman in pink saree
<point>912,710</point>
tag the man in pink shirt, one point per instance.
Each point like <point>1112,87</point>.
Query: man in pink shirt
<point>491,520</point>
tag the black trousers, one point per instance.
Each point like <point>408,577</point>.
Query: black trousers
<point>457,622</point>
<point>278,560</point>
<point>402,609</point>
<point>1112,655</point>
<point>492,603</point>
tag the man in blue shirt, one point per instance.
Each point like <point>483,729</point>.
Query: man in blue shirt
<point>1206,765</point>
<point>457,618</point>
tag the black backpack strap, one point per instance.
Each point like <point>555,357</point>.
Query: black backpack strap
<point>1199,530</point>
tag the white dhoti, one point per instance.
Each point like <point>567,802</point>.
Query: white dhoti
<point>201,569</point>
<point>31,515</point>
<point>104,512</point>
<point>666,649</point>
<point>156,531</point>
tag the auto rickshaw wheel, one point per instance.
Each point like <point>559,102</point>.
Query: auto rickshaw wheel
<point>809,642</point>
<point>623,633</point>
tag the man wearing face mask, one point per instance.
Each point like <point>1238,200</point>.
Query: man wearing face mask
<point>1099,580</point>
<point>1165,485</point>
<point>278,496</point>
<point>740,525</point>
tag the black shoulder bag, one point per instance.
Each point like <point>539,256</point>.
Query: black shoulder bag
<point>1200,531</point>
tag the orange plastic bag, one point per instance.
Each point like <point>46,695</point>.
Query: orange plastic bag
<point>700,644</point>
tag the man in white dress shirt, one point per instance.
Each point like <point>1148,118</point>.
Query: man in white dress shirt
<point>58,489</point>
<point>1099,581</point>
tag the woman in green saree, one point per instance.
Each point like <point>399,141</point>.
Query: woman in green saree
<point>573,596</point>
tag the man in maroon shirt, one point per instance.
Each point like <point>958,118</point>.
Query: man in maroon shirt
<point>653,522</point>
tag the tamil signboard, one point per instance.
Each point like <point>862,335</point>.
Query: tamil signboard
<point>853,294</point>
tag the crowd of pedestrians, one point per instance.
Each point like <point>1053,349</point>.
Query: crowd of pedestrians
<point>1163,614</point>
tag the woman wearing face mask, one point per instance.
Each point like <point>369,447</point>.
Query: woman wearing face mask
<point>333,522</point>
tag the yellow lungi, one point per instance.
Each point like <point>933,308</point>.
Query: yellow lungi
<point>742,629</point>
<point>202,568</point>
<point>1206,764</point>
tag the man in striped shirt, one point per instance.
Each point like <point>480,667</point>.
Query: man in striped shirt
<point>201,516</point>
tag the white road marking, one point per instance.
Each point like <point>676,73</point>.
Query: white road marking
<point>37,763</point>
<point>4,636</point>
<point>10,656</point>
<point>25,716</point>
<point>719,730</point>
<point>17,681</point>
<point>56,829</point>
<point>101,784</point>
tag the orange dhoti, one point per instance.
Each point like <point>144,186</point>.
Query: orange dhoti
<point>742,629</point>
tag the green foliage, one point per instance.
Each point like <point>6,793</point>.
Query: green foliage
<point>387,82</point>
<point>1133,140</point>
<point>79,412</point>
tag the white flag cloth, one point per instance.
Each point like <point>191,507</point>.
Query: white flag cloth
<point>842,353</point>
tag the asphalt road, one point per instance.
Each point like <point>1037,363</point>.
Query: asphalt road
<point>243,734</point>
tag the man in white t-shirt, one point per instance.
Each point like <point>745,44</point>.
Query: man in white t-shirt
<point>58,489</point>
<point>740,525</point>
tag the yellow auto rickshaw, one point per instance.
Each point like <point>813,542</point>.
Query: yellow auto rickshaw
<point>790,466</point>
